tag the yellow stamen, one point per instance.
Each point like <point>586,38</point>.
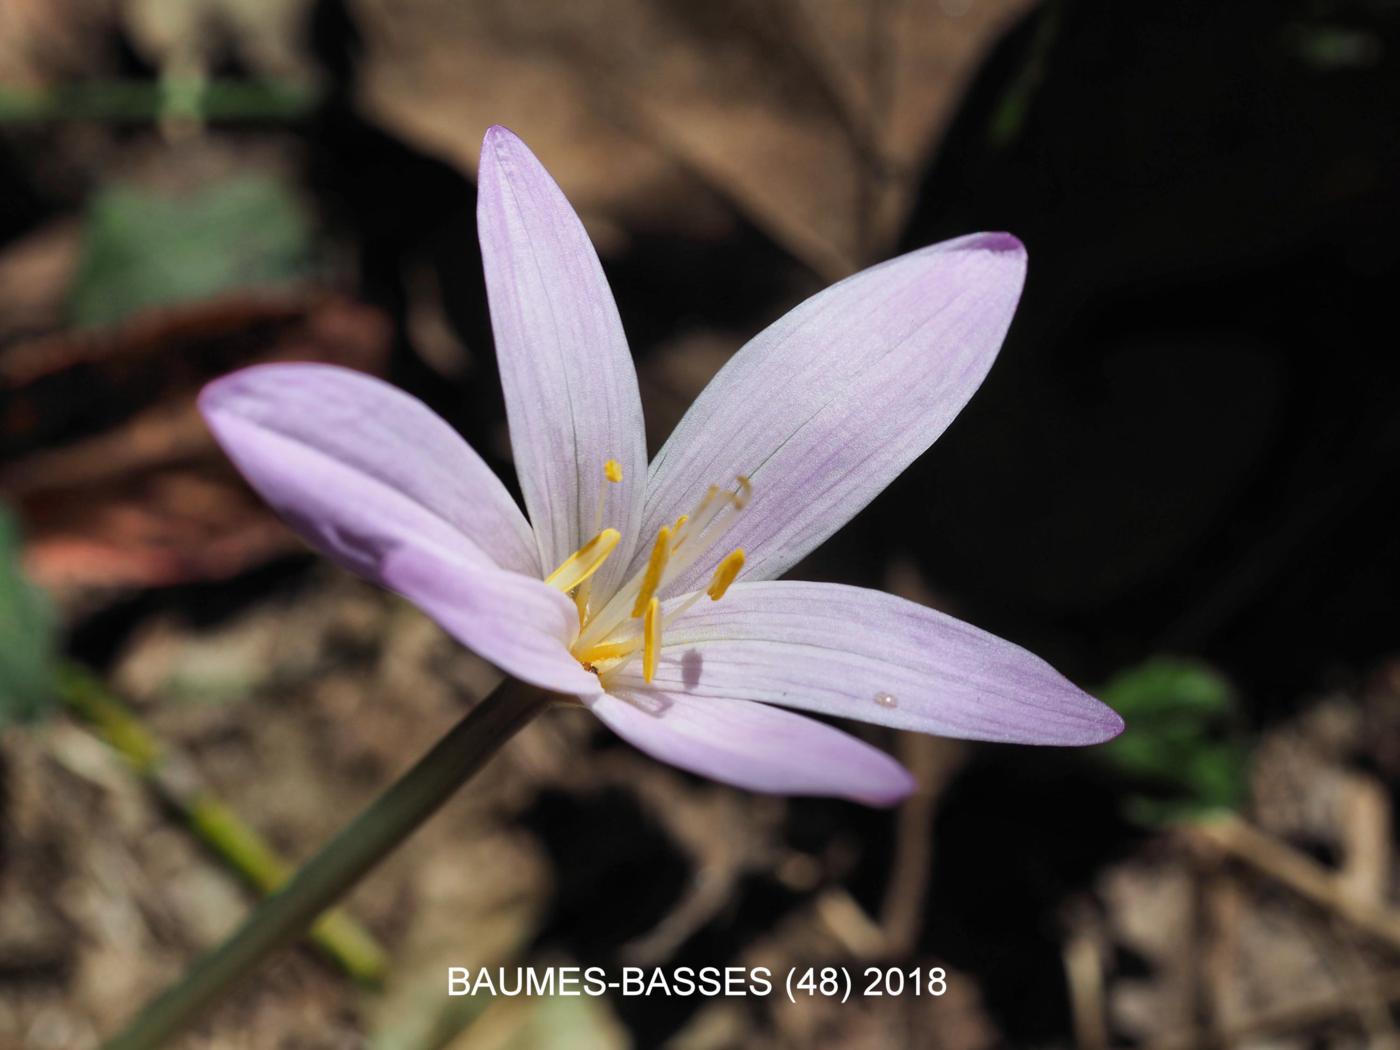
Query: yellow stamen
<point>651,639</point>
<point>607,651</point>
<point>690,538</point>
<point>725,573</point>
<point>581,602</point>
<point>741,498</point>
<point>584,562</point>
<point>678,532</point>
<point>612,472</point>
<point>656,565</point>
<point>699,519</point>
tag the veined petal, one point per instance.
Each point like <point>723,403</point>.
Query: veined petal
<point>570,387</point>
<point>753,746</point>
<point>356,466</point>
<point>863,654</point>
<point>831,402</point>
<point>520,624</point>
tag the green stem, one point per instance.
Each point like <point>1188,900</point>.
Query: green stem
<point>391,818</point>
<point>174,778</point>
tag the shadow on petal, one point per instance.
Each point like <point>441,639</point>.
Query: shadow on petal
<point>692,663</point>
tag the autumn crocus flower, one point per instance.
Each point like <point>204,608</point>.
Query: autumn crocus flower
<point>650,594</point>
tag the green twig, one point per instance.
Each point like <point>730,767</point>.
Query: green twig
<point>344,941</point>
<point>390,819</point>
<point>145,101</point>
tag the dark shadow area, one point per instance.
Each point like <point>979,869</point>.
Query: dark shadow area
<point>1188,439</point>
<point>624,871</point>
<point>1020,833</point>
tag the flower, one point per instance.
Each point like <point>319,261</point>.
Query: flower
<point>651,594</point>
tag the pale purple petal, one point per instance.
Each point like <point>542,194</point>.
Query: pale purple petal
<point>520,624</point>
<point>753,746</point>
<point>570,387</point>
<point>356,466</point>
<point>857,653</point>
<point>830,403</point>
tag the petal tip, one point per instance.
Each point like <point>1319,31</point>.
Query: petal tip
<point>221,393</point>
<point>900,786</point>
<point>501,146</point>
<point>498,134</point>
<point>1111,725</point>
<point>209,395</point>
<point>1104,724</point>
<point>1000,243</point>
<point>505,161</point>
<point>214,395</point>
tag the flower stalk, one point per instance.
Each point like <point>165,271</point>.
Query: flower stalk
<point>392,817</point>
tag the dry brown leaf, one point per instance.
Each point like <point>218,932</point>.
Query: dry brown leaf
<point>146,498</point>
<point>43,42</point>
<point>191,36</point>
<point>812,118</point>
<point>35,272</point>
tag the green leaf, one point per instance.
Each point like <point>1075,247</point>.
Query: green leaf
<point>27,638</point>
<point>1180,750</point>
<point>143,249</point>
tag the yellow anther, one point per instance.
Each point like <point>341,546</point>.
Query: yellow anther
<point>606,651</point>
<point>741,498</point>
<point>656,565</point>
<point>725,573</point>
<point>584,562</point>
<point>612,474</point>
<point>651,639</point>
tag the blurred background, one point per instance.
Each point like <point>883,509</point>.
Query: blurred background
<point>1173,486</point>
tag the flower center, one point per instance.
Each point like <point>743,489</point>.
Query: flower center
<point>614,631</point>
